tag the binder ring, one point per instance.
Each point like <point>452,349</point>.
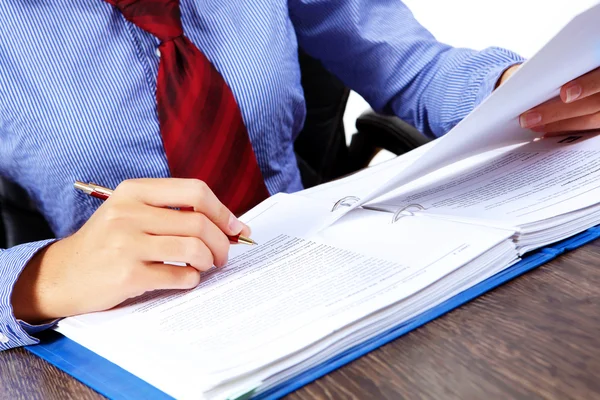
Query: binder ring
<point>345,201</point>
<point>398,214</point>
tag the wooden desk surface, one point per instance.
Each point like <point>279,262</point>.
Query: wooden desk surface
<point>535,337</point>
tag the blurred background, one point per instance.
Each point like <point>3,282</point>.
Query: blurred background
<point>523,26</point>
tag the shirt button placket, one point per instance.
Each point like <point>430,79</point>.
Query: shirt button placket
<point>3,338</point>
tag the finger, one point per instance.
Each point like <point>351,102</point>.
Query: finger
<point>584,123</point>
<point>158,276</point>
<point>167,222</point>
<point>174,192</point>
<point>183,250</point>
<point>582,87</point>
<point>213,238</point>
<point>170,222</point>
<point>246,230</point>
<point>555,110</point>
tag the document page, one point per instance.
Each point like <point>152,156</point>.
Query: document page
<point>277,298</point>
<point>529,183</point>
<point>494,124</point>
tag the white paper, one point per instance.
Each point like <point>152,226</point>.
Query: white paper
<point>502,256</point>
<point>531,183</point>
<point>574,51</point>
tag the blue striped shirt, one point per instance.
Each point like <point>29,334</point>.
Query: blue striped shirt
<point>78,81</point>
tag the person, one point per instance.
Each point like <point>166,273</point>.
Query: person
<point>196,104</point>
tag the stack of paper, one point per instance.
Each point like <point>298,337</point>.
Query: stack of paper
<point>546,190</point>
<point>292,302</point>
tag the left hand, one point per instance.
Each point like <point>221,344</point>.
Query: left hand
<point>576,109</point>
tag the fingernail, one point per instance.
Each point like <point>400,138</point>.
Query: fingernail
<point>530,119</point>
<point>235,226</point>
<point>573,92</point>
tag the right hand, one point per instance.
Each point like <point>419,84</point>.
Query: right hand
<point>576,111</point>
<point>119,252</point>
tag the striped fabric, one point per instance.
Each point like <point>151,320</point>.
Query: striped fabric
<point>78,84</point>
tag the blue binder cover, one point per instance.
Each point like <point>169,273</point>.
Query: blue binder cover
<point>116,383</point>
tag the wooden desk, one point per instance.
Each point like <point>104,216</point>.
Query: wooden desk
<point>535,337</point>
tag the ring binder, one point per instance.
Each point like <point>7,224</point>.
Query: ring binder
<point>344,201</point>
<point>398,214</point>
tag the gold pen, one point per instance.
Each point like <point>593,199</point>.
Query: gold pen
<point>103,193</point>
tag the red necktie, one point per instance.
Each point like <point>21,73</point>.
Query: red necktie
<point>201,125</point>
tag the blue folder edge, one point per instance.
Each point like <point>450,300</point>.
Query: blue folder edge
<point>114,382</point>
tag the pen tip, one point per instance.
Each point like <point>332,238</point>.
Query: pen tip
<point>245,240</point>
